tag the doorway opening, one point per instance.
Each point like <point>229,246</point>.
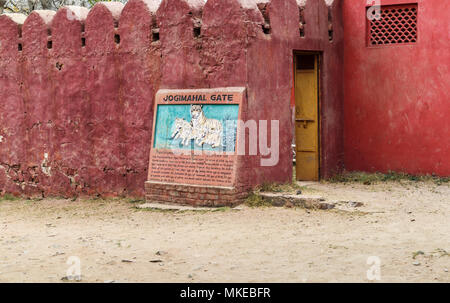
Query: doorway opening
<point>306,116</point>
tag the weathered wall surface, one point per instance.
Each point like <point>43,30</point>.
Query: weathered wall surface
<point>78,86</point>
<point>397,100</point>
<point>270,91</point>
<point>13,138</point>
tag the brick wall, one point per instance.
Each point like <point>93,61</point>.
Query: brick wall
<point>194,195</point>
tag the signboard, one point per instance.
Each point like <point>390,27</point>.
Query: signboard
<point>195,136</point>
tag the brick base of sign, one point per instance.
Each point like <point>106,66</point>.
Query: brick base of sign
<point>194,195</point>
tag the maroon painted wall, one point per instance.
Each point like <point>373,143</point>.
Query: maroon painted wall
<point>76,102</point>
<point>270,91</point>
<point>397,100</point>
<point>13,146</point>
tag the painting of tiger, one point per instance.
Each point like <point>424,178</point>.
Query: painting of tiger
<point>204,130</point>
<point>183,131</point>
<point>201,129</point>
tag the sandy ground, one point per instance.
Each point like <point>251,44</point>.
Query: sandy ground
<point>115,241</point>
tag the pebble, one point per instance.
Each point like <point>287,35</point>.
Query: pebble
<point>71,278</point>
<point>356,204</point>
<point>289,205</point>
<point>416,263</point>
<point>127,261</point>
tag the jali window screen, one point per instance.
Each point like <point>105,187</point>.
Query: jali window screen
<point>398,24</point>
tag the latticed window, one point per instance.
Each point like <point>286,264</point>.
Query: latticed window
<point>398,24</point>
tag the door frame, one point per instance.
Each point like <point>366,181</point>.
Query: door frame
<point>319,56</point>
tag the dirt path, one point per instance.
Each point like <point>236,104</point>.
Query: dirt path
<point>248,245</point>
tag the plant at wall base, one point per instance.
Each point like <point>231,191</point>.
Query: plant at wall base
<point>371,178</point>
<point>279,187</point>
<point>255,200</point>
<point>8,197</point>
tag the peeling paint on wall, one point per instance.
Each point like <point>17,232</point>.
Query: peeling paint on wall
<point>45,168</point>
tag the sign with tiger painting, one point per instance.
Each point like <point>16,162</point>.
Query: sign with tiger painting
<point>195,136</point>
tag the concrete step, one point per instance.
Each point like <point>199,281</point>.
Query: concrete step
<point>173,207</point>
<point>303,201</point>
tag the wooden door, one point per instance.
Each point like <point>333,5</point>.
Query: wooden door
<point>307,117</point>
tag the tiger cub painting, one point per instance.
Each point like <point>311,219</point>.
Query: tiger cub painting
<point>183,131</point>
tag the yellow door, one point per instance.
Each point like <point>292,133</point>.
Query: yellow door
<point>306,117</point>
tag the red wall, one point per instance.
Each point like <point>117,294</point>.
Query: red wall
<point>76,119</point>
<point>76,104</point>
<point>396,97</point>
<point>272,89</point>
<point>13,145</point>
